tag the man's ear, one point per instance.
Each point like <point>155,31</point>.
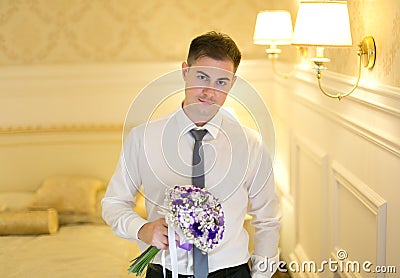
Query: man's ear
<point>185,69</point>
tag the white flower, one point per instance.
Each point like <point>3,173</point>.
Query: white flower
<point>186,220</point>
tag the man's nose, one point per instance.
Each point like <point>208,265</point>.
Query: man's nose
<point>209,91</point>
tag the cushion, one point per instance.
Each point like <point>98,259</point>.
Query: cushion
<point>29,222</point>
<point>78,218</point>
<point>66,218</point>
<point>15,201</point>
<point>99,197</point>
<point>68,194</point>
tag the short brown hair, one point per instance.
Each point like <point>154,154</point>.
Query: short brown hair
<point>214,45</point>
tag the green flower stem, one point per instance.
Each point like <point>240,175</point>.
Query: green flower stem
<point>140,263</point>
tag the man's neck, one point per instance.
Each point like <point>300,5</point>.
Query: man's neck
<point>196,119</point>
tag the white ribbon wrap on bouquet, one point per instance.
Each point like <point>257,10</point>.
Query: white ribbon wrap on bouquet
<point>173,249</point>
<point>172,253</point>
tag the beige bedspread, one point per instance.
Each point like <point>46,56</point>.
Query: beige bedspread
<point>75,251</point>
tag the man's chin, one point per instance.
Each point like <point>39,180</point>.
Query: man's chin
<point>202,112</point>
<point>203,116</point>
<point>207,110</point>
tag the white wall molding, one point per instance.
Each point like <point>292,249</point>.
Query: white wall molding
<point>377,96</point>
<point>60,134</point>
<point>320,158</point>
<point>385,111</point>
<point>16,78</point>
<point>361,132</point>
<point>370,112</point>
<point>61,128</point>
<point>298,258</point>
<point>387,144</point>
<point>43,78</point>
<point>55,78</point>
<point>318,155</point>
<point>372,202</point>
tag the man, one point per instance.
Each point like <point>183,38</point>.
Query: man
<point>237,167</point>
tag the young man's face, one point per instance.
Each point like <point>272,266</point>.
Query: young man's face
<point>207,83</point>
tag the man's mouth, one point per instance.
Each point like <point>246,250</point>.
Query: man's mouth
<point>205,101</point>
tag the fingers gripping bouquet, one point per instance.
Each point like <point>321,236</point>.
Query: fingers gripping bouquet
<point>196,215</point>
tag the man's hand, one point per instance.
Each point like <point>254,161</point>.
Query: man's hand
<point>155,233</point>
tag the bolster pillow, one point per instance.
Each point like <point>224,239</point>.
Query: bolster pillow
<point>29,222</point>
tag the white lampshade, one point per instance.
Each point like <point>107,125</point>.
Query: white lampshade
<point>322,23</point>
<point>273,28</point>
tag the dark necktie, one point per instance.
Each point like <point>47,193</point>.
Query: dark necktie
<point>200,260</point>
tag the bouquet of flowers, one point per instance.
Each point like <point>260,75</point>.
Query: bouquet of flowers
<point>193,212</point>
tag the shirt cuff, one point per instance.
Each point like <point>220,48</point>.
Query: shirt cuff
<point>135,226</point>
<point>264,267</point>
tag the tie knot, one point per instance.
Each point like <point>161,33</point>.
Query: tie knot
<point>198,134</point>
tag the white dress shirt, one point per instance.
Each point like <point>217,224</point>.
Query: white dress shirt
<point>238,171</point>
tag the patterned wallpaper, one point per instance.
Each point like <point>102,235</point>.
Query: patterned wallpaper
<point>115,31</point>
<point>380,19</point>
<point>84,31</point>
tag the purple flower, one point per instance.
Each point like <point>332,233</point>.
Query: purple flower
<point>185,195</point>
<point>221,220</point>
<point>197,229</point>
<point>212,234</point>
<point>178,202</point>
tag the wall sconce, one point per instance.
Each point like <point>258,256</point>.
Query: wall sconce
<point>273,28</point>
<point>326,24</point>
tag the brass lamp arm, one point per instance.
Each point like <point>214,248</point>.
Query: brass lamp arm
<point>339,96</point>
<point>366,57</point>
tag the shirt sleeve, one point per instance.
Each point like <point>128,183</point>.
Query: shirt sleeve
<point>265,211</point>
<point>119,200</point>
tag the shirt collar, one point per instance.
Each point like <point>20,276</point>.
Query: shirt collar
<point>185,124</point>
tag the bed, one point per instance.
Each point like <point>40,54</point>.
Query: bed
<point>82,245</point>
<point>57,231</point>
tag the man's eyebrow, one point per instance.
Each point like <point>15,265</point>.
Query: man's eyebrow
<point>202,72</point>
<point>224,78</point>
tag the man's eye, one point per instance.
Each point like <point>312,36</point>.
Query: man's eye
<point>222,83</point>
<point>202,77</point>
